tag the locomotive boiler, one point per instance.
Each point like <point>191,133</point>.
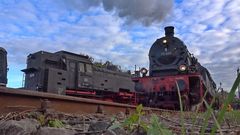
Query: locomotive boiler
<point>68,73</point>
<point>3,67</point>
<point>173,68</point>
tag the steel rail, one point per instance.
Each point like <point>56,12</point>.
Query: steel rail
<point>15,100</point>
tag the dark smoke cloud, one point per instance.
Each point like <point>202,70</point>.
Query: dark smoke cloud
<point>143,11</point>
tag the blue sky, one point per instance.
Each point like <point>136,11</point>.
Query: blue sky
<point>121,31</point>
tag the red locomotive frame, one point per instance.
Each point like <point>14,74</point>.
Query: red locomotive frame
<point>162,92</point>
<point>119,97</point>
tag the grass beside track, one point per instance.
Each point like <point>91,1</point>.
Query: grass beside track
<point>211,122</point>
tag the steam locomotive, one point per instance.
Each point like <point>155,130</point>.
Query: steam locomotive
<point>3,67</point>
<point>173,71</point>
<point>172,68</point>
<point>67,73</point>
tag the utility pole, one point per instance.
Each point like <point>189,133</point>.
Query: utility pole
<point>238,85</point>
<point>220,89</point>
<point>238,73</point>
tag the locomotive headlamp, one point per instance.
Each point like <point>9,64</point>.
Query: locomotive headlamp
<point>144,71</point>
<point>164,41</point>
<point>182,67</point>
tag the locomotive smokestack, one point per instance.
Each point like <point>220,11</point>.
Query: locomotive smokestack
<point>169,31</point>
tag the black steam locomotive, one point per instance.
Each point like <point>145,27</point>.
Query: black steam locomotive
<point>173,68</point>
<point>73,74</point>
<point>3,67</point>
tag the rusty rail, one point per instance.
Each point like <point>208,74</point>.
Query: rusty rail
<point>12,100</point>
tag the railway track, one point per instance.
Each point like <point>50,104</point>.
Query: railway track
<point>17,100</point>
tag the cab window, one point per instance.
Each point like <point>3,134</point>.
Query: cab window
<point>88,68</point>
<point>81,67</point>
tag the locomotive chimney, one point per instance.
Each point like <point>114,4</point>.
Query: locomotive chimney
<point>169,31</point>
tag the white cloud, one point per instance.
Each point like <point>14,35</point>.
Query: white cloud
<point>210,29</point>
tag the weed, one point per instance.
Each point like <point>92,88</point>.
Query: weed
<point>156,128</point>
<point>233,117</point>
<point>229,99</point>
<point>181,109</point>
<point>134,122</point>
<point>55,123</point>
<point>41,120</point>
